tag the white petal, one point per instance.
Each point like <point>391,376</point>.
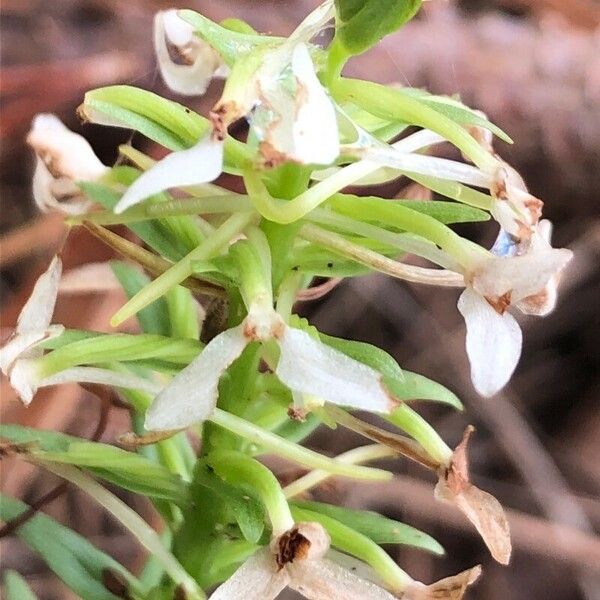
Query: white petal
<point>522,276</point>
<point>33,324</point>
<point>36,315</point>
<point>201,61</point>
<point>257,579</point>
<point>307,366</point>
<point>25,378</point>
<point>24,345</point>
<point>66,153</point>
<point>199,164</point>
<point>192,394</point>
<point>493,343</point>
<point>314,22</point>
<point>325,580</point>
<point>315,131</point>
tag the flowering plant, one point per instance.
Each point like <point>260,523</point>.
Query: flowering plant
<point>266,378</point>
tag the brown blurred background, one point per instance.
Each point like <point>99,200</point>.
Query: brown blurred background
<point>534,67</point>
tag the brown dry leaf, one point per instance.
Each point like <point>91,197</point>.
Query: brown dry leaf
<point>449,588</point>
<point>481,508</point>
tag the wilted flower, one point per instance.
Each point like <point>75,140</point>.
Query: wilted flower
<point>62,159</point>
<point>306,366</point>
<point>186,62</point>
<point>20,356</point>
<point>481,508</point>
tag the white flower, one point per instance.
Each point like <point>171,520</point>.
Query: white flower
<point>305,365</point>
<point>62,159</point>
<point>527,281</point>
<point>20,356</point>
<point>195,63</point>
<point>297,560</point>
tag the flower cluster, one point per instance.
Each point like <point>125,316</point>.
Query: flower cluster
<point>265,379</point>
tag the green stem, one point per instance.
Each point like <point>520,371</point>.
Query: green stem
<point>280,446</point>
<point>355,456</point>
<point>145,535</point>
<point>237,468</point>
<point>184,268</point>
<point>416,426</point>
<point>352,542</point>
<point>287,294</point>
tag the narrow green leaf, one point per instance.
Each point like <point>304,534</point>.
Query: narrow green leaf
<point>155,317</point>
<point>72,558</point>
<point>126,469</point>
<point>375,526</point>
<point>182,313</point>
<point>16,588</point>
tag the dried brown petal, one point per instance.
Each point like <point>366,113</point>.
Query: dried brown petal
<point>481,508</point>
<point>449,588</point>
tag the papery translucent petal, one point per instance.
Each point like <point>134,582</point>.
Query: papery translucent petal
<point>200,62</point>
<point>24,345</point>
<point>493,343</point>
<point>257,579</point>
<point>449,588</point>
<point>200,164</point>
<point>307,366</point>
<point>191,395</point>
<point>521,276</point>
<point>314,22</point>
<point>325,580</point>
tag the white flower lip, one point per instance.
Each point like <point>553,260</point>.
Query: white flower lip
<point>493,343</point>
<point>199,61</point>
<point>62,158</point>
<point>306,366</point>
<point>199,164</point>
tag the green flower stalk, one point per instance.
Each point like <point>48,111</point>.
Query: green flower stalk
<point>262,379</point>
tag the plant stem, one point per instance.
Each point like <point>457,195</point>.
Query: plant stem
<point>183,269</point>
<point>280,446</point>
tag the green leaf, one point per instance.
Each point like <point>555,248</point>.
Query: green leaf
<point>72,558</point>
<point>403,385</point>
<point>372,206</point>
<point>231,40</point>
<point>125,469</point>
<point>375,526</point>
<point>155,317</point>
<point>457,111</point>
<point>16,588</point>
<point>166,122</point>
<point>246,510</point>
<point>362,23</point>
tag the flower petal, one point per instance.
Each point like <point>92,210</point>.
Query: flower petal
<point>449,588</point>
<point>200,164</point>
<point>295,120</point>
<point>192,394</point>
<point>257,579</point>
<point>33,324</point>
<point>309,367</point>
<point>481,508</point>
<point>493,343</point>
<point>199,61</point>
<point>325,580</point>
<point>521,276</point>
